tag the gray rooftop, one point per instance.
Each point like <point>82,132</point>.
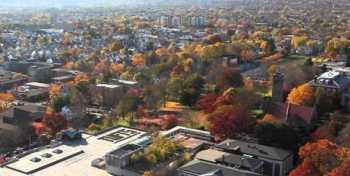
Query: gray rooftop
<point>254,149</point>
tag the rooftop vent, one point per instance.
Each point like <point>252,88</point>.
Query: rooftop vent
<point>236,149</point>
<point>35,159</point>
<point>46,155</point>
<point>57,151</point>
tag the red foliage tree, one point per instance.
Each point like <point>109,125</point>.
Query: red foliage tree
<point>324,155</point>
<point>343,169</point>
<point>169,121</point>
<point>226,121</point>
<point>306,168</point>
<point>205,103</point>
<point>54,121</point>
<point>229,77</point>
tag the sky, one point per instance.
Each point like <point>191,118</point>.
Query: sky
<point>61,3</point>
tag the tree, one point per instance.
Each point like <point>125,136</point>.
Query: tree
<point>102,67</point>
<point>192,88</point>
<point>169,121</point>
<point>229,77</point>
<point>128,104</point>
<point>269,118</point>
<point>297,41</point>
<point>342,169</point>
<point>205,103</point>
<point>306,168</point>
<point>154,95</point>
<point>324,155</point>
<point>54,121</point>
<point>147,173</point>
<point>175,86</point>
<point>302,95</point>
<point>117,68</point>
<point>227,121</point>
<point>277,134</point>
<point>139,59</point>
<point>295,75</point>
<point>60,101</point>
<point>81,82</point>
<point>7,97</point>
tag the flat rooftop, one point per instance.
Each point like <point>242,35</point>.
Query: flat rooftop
<point>75,160</point>
<point>111,86</point>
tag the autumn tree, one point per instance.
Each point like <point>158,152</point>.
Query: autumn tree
<point>169,121</point>
<point>128,104</point>
<point>139,59</point>
<point>205,102</point>
<point>298,41</point>
<point>277,134</point>
<point>117,68</point>
<point>228,121</point>
<point>269,118</point>
<point>229,77</point>
<point>54,121</point>
<point>7,97</point>
<point>302,95</point>
<point>324,155</point>
<point>342,169</point>
<point>306,168</point>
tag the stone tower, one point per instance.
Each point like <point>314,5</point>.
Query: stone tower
<point>277,87</point>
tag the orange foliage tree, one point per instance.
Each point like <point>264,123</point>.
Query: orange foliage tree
<point>139,59</point>
<point>102,66</point>
<point>269,118</point>
<point>55,122</point>
<point>81,77</point>
<point>324,155</point>
<point>302,95</point>
<point>7,97</point>
<point>117,68</point>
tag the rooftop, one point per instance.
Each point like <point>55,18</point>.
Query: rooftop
<point>253,149</point>
<point>196,167</point>
<point>111,86</point>
<point>329,75</point>
<point>79,156</point>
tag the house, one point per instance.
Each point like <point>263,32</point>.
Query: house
<point>336,80</point>
<point>108,94</point>
<point>295,115</point>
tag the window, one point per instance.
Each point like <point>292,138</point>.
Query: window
<point>267,168</point>
<point>277,169</point>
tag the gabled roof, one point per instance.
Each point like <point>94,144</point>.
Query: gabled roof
<point>287,110</point>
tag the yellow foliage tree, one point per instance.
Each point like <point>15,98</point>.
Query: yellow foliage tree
<point>298,40</point>
<point>302,95</point>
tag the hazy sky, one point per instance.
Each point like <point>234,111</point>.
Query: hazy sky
<point>60,3</point>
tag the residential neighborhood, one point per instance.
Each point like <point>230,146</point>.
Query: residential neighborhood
<point>175,88</point>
